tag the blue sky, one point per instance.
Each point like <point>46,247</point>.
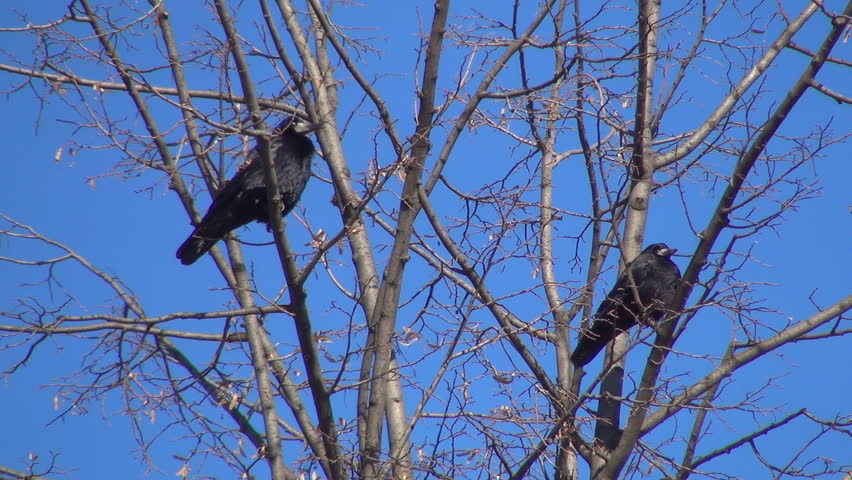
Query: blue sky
<point>132,231</point>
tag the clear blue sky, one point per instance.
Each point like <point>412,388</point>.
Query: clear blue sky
<point>133,234</point>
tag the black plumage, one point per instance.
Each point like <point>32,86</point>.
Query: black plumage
<point>655,277</point>
<point>243,198</point>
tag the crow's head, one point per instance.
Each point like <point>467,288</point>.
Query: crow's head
<point>660,250</point>
<point>295,124</point>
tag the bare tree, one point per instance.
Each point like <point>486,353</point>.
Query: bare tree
<point>435,298</point>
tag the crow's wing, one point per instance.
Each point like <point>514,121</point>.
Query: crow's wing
<point>243,199</point>
<point>617,312</point>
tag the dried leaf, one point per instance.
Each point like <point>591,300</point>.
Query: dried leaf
<point>318,239</point>
<point>409,337</point>
<point>184,471</point>
<point>331,358</point>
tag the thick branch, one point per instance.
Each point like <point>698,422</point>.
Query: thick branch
<point>734,96</point>
<point>637,420</point>
<point>71,79</point>
<point>743,358</point>
<point>253,326</point>
<point>383,321</point>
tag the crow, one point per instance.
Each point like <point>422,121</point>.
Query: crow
<point>655,278</point>
<point>243,198</point>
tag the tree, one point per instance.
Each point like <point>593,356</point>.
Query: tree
<point>435,299</point>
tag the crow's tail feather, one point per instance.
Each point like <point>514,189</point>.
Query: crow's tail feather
<point>587,350</point>
<point>194,247</point>
<point>592,341</point>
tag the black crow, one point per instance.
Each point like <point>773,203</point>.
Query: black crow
<point>243,199</point>
<point>655,278</point>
